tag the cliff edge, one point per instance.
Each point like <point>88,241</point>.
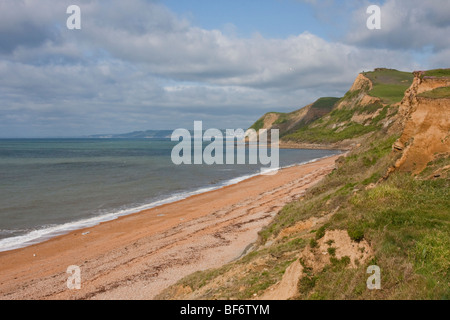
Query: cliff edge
<point>425,115</point>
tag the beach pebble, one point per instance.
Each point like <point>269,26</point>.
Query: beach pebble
<point>85,233</point>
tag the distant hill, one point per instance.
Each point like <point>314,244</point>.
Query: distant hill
<point>151,134</point>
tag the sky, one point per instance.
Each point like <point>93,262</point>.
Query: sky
<point>163,64</point>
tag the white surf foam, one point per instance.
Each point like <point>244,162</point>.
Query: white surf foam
<point>48,232</point>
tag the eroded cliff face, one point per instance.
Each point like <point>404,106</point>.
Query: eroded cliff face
<point>426,124</point>
<point>359,90</point>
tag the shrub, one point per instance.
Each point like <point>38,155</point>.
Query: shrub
<point>356,233</point>
<point>320,233</point>
<point>332,251</point>
<point>313,243</point>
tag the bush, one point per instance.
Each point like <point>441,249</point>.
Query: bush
<point>332,251</point>
<point>313,243</point>
<point>356,233</point>
<point>320,233</point>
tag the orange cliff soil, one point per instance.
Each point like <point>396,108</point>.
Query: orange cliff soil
<point>426,124</point>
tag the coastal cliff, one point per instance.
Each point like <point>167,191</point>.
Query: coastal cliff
<point>386,203</point>
<point>426,121</point>
<point>370,104</point>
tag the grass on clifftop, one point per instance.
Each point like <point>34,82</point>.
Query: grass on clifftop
<point>437,73</point>
<point>389,85</point>
<point>438,93</point>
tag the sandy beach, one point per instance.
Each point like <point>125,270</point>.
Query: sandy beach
<point>136,256</point>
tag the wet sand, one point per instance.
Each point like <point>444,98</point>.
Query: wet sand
<point>137,256</point>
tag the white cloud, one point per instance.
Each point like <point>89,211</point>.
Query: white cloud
<point>405,24</point>
<point>135,62</point>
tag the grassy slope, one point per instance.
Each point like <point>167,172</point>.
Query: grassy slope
<point>406,220</point>
<point>285,119</point>
<point>437,73</point>
<point>258,124</point>
<point>389,85</point>
<point>438,93</point>
<point>326,103</point>
<point>324,130</point>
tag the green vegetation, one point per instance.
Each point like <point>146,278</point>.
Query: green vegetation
<point>327,135</point>
<point>437,73</point>
<point>339,125</point>
<point>331,251</point>
<point>282,118</point>
<point>407,222</point>
<point>405,219</point>
<point>313,243</point>
<point>438,93</point>
<point>432,169</point>
<point>275,261</point>
<point>356,233</point>
<point>370,108</point>
<point>259,124</point>
<point>336,188</point>
<point>389,85</point>
<point>389,93</point>
<point>326,103</point>
<point>320,233</point>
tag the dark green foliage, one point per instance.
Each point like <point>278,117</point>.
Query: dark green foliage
<point>320,233</point>
<point>356,233</point>
<point>326,103</point>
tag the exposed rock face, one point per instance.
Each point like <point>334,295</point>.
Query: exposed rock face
<point>426,124</point>
<point>422,121</point>
<point>425,83</point>
<point>361,82</point>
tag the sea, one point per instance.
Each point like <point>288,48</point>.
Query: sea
<point>50,187</point>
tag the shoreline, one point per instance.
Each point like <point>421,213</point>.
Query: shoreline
<point>137,255</point>
<point>45,234</point>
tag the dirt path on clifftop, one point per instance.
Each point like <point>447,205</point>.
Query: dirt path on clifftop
<point>136,256</point>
